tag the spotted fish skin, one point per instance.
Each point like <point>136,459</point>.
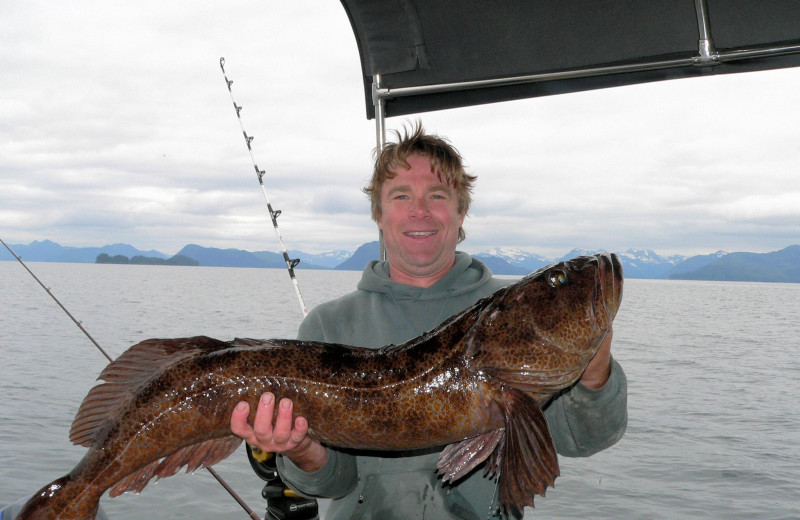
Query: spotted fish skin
<point>476,383</point>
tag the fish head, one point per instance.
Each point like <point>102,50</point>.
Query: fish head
<point>542,331</point>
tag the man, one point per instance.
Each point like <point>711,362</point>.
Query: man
<point>420,195</point>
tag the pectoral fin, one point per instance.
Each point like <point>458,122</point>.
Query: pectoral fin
<point>527,459</point>
<point>458,459</point>
<point>539,381</point>
<point>522,454</point>
<point>545,369</point>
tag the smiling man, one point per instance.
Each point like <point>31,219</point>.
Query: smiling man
<point>420,195</point>
<point>420,219</point>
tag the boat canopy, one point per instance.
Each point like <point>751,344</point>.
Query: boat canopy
<point>423,55</point>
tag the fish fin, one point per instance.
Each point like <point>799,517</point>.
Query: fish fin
<point>459,458</point>
<point>206,453</point>
<point>259,343</point>
<point>544,382</point>
<point>128,372</point>
<point>526,460</point>
<point>551,371</point>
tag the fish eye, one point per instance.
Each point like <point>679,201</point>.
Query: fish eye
<point>557,278</point>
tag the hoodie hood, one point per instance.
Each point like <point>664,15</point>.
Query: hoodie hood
<point>383,312</point>
<point>466,275</point>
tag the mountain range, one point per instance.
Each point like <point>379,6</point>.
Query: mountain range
<point>777,266</point>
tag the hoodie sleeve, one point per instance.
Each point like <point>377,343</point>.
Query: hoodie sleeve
<point>334,480</point>
<point>584,421</point>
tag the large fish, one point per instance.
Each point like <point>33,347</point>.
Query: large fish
<point>475,383</point>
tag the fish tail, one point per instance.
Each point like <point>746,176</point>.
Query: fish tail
<point>62,499</point>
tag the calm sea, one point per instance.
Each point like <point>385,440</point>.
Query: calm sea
<point>713,370</point>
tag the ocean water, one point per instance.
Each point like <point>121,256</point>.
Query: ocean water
<point>713,371</point>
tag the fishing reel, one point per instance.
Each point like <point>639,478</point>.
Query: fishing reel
<point>282,502</point>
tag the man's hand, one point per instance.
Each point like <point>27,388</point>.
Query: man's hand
<point>599,368</point>
<point>285,436</point>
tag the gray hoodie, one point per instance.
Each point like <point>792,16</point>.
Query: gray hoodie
<point>404,485</point>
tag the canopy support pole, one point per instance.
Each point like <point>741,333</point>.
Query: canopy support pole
<point>707,52</point>
<point>380,135</point>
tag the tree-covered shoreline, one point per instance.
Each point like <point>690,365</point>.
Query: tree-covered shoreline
<point>104,258</point>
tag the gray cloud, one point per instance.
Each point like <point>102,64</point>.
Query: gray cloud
<point>117,127</point>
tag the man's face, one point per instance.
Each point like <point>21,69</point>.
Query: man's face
<point>420,223</point>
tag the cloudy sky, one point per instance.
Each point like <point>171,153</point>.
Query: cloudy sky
<point>116,126</point>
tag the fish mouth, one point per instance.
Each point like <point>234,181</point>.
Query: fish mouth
<point>609,272</point>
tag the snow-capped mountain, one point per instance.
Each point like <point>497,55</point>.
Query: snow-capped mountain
<point>329,259</point>
<point>645,263</point>
<point>637,263</point>
<point>518,257</point>
<point>648,256</point>
<point>578,252</point>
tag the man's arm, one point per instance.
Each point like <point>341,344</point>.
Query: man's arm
<point>593,414</point>
<point>599,368</point>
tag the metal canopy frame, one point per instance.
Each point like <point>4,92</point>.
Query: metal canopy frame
<point>706,57</point>
<point>410,48</point>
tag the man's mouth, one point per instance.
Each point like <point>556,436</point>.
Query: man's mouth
<point>419,234</point>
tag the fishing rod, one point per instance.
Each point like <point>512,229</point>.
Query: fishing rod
<point>211,470</point>
<point>291,263</point>
<point>282,502</point>
<point>53,296</point>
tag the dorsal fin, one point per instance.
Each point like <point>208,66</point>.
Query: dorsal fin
<point>204,454</point>
<point>124,375</point>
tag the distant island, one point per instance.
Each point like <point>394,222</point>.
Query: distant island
<point>776,266</point>
<point>104,258</point>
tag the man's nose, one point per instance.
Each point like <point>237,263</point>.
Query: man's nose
<point>419,207</point>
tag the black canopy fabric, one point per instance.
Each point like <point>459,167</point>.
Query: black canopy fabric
<point>558,46</point>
